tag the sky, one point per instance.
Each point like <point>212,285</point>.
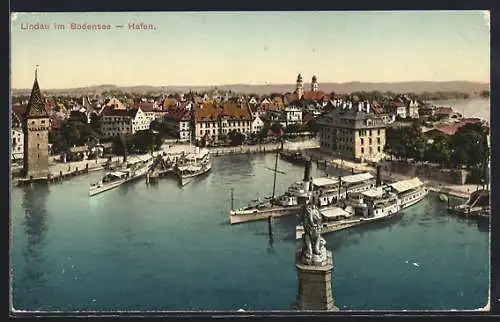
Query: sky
<point>217,48</point>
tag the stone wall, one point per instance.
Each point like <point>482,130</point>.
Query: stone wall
<point>425,172</point>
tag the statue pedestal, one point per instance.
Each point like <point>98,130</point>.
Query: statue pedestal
<point>315,285</point>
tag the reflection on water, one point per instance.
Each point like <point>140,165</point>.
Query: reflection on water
<point>35,227</point>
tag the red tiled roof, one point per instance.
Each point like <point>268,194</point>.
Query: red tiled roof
<point>110,111</point>
<point>169,103</point>
<point>210,111</point>
<point>179,115</point>
<point>313,96</point>
<point>55,122</point>
<point>144,106</point>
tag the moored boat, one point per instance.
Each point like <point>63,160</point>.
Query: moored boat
<point>116,178</point>
<point>409,191</point>
<point>360,208</point>
<point>192,166</point>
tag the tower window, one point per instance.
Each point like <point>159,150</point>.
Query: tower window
<point>38,145</point>
<point>38,134</point>
<point>43,121</point>
<point>32,122</point>
<point>38,155</point>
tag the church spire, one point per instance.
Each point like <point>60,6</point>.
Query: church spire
<point>36,104</point>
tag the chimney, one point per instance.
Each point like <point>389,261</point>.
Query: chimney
<point>379,178</point>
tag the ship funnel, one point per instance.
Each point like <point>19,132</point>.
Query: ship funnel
<point>379,178</point>
<point>307,170</point>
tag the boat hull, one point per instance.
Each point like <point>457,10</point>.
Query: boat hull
<point>139,174</point>
<point>98,190</point>
<point>184,179</point>
<point>241,216</point>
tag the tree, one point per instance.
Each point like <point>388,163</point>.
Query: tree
<point>276,127</point>
<point>236,138</point>
<point>293,128</point>
<point>469,145</point>
<point>95,123</point>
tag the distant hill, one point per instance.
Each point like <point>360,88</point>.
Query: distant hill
<point>341,88</point>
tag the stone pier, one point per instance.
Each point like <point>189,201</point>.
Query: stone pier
<point>313,261</point>
<point>315,285</point>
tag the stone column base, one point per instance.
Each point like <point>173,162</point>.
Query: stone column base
<point>315,285</point>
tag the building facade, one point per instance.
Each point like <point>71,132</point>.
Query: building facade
<point>36,136</point>
<point>352,133</point>
<point>178,123</point>
<point>116,122</point>
<point>211,120</point>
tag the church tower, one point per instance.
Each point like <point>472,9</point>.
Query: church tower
<point>36,136</point>
<point>300,87</point>
<point>314,84</point>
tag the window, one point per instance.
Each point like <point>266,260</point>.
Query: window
<point>378,140</point>
<point>362,150</point>
<point>38,145</point>
<point>43,122</point>
<point>378,149</point>
<point>370,141</point>
<point>362,141</point>
<point>13,141</point>
<point>378,132</point>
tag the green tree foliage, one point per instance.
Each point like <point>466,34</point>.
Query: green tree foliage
<point>236,138</point>
<point>95,123</point>
<point>293,128</point>
<point>276,128</point>
<point>469,145</point>
<point>405,142</point>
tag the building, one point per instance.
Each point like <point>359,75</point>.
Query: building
<point>396,108</point>
<point>352,133</point>
<point>413,107</point>
<point>36,124</point>
<point>314,95</point>
<point>116,122</point>
<point>17,148</point>
<point>257,125</point>
<point>178,122</point>
<point>214,120</point>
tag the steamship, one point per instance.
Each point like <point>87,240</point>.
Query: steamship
<point>323,192</point>
<point>378,203</point>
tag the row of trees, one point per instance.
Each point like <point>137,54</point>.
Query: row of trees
<point>141,142</point>
<point>75,131</point>
<point>467,147</point>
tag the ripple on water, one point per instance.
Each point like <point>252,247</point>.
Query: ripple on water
<point>160,247</point>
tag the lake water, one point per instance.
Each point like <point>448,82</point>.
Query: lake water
<point>476,107</point>
<point>162,247</point>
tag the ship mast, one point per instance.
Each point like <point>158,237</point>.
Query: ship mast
<point>275,172</point>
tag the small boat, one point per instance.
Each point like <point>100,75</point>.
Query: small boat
<point>294,157</point>
<point>192,166</point>
<point>116,178</point>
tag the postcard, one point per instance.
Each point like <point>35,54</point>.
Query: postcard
<point>322,161</point>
